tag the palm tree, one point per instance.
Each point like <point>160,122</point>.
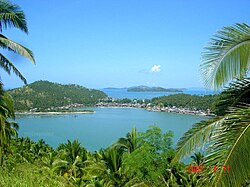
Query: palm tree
<point>197,158</point>
<point>130,143</point>
<point>105,167</point>
<point>70,161</point>
<point>225,138</point>
<point>227,56</point>
<point>7,129</point>
<point>11,15</point>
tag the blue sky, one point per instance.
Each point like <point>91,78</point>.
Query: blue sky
<point>119,43</point>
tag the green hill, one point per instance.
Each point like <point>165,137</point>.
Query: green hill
<point>45,94</point>
<point>187,101</point>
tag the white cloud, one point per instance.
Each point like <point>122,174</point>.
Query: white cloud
<point>155,68</point>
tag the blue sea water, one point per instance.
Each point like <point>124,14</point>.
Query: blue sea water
<point>102,128</point>
<point>120,93</point>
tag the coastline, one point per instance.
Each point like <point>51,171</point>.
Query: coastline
<point>150,108</point>
<point>56,113</point>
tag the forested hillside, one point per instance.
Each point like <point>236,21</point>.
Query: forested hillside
<point>187,101</point>
<point>45,94</point>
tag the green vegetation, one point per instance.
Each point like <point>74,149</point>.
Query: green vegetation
<point>29,175</point>
<point>187,101</point>
<point>152,89</point>
<point>226,138</point>
<point>11,16</point>
<point>44,94</point>
<point>140,158</point>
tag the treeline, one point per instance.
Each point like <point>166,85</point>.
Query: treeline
<point>188,101</point>
<point>139,159</point>
<point>45,94</point>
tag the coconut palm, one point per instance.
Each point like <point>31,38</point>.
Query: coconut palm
<point>225,138</point>
<point>105,167</point>
<point>71,158</point>
<point>227,56</point>
<point>7,129</point>
<point>130,143</point>
<point>11,16</point>
<point>197,158</point>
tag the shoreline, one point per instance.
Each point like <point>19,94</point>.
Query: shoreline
<point>176,111</point>
<point>54,113</point>
<point>150,109</point>
<point>173,109</point>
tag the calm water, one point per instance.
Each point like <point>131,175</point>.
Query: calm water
<point>101,129</point>
<point>123,93</point>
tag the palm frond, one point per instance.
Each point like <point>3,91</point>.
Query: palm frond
<point>227,56</point>
<point>237,93</point>
<point>8,66</point>
<point>130,143</point>
<point>6,43</point>
<point>195,137</point>
<point>7,106</point>
<point>229,147</point>
<point>11,15</point>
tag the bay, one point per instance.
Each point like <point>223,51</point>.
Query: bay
<point>101,129</point>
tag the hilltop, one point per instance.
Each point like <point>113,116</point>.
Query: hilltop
<point>152,89</point>
<point>45,94</point>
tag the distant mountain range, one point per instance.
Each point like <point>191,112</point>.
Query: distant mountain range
<point>153,89</point>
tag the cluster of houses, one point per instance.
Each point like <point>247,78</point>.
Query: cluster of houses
<point>179,110</point>
<point>67,107</point>
<point>125,105</point>
<point>152,108</point>
<point>147,106</point>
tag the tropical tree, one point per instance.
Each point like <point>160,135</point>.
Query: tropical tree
<point>11,16</point>
<point>227,56</point>
<point>197,158</point>
<point>225,138</point>
<point>7,129</point>
<point>70,161</point>
<point>105,167</point>
<point>130,143</point>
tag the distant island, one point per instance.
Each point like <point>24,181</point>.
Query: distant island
<point>112,88</point>
<point>152,89</point>
<point>45,96</point>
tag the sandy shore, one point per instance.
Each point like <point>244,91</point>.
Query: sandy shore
<point>56,113</point>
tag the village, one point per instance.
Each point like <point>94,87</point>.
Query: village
<point>154,108</point>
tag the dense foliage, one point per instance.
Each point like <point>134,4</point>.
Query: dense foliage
<point>142,159</point>
<point>187,101</point>
<point>225,139</point>
<point>12,16</point>
<point>45,94</point>
<point>139,159</point>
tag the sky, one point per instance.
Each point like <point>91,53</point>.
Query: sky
<point>120,43</point>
